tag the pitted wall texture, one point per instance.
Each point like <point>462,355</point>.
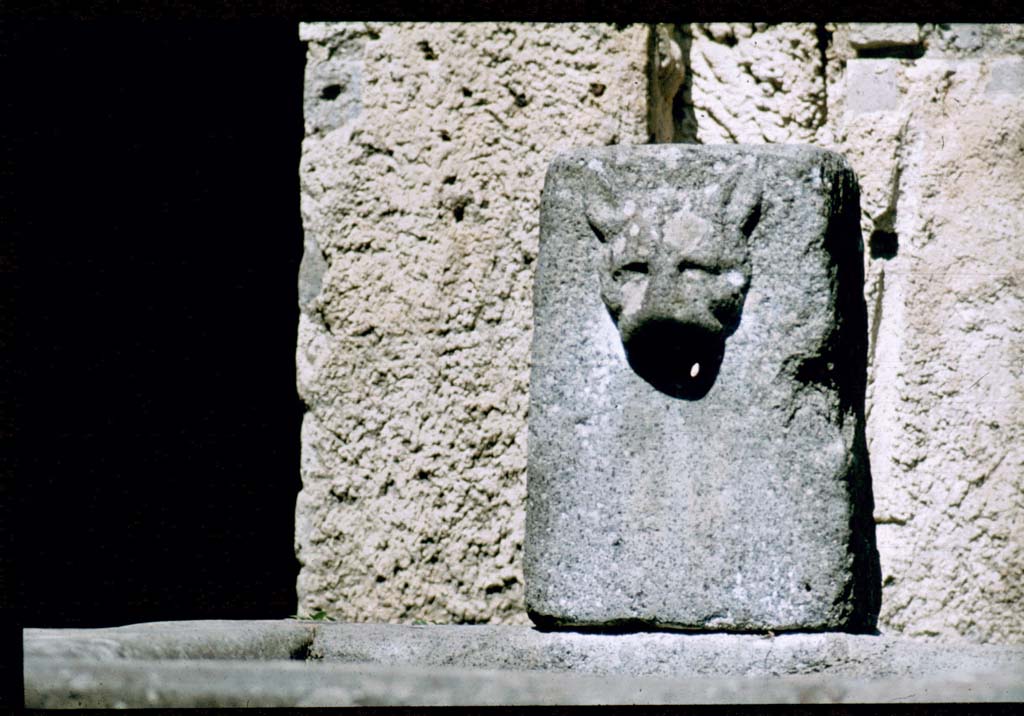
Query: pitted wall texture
<point>421,172</point>
<point>938,141</point>
<point>930,117</point>
<point>422,168</point>
<point>753,83</point>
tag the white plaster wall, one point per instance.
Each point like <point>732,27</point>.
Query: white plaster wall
<point>414,336</point>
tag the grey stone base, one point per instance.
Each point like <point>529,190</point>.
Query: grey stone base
<point>211,664</point>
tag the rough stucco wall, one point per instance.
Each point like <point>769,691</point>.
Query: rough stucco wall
<point>931,118</point>
<point>408,369</point>
<point>753,83</point>
<point>938,142</point>
<point>421,175</point>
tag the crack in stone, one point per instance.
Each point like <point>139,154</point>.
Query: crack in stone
<point>824,36</point>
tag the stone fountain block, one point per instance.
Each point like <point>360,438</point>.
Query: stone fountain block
<point>696,427</point>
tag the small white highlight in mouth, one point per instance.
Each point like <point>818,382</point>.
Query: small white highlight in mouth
<point>694,370</point>
<point>735,278</point>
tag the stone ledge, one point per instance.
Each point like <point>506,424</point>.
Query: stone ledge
<point>79,683</point>
<point>244,663</point>
<point>658,653</point>
<point>207,639</point>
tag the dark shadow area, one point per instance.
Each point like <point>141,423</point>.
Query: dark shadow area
<point>883,244</point>
<point>847,352</point>
<point>683,116</point>
<point>545,623</point>
<point>154,202</point>
<point>898,52</point>
<point>678,359</point>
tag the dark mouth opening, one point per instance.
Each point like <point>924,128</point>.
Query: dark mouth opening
<point>679,359</point>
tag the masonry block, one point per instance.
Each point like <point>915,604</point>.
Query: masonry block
<point>696,429</point>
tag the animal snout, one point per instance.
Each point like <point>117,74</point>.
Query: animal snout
<point>661,300</point>
<point>673,324</point>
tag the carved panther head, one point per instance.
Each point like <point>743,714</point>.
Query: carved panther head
<point>674,278</point>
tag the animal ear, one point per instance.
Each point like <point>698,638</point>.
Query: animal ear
<point>740,198</point>
<point>601,208</point>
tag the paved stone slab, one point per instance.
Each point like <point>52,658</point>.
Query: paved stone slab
<point>421,171</point>
<point>696,447</point>
<point>206,639</point>
<point>76,683</point>
<point>659,653</point>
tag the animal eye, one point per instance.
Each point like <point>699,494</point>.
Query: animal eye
<point>625,271</point>
<point>597,232</point>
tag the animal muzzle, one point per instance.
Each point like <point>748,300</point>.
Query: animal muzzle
<point>679,358</point>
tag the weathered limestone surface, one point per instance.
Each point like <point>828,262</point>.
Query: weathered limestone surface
<point>395,665</point>
<point>750,83</point>
<point>938,143</point>
<point>697,453</point>
<point>659,653</point>
<point>930,119</point>
<point>883,35</point>
<point>960,39</point>
<point>421,175</point>
<point>76,684</point>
